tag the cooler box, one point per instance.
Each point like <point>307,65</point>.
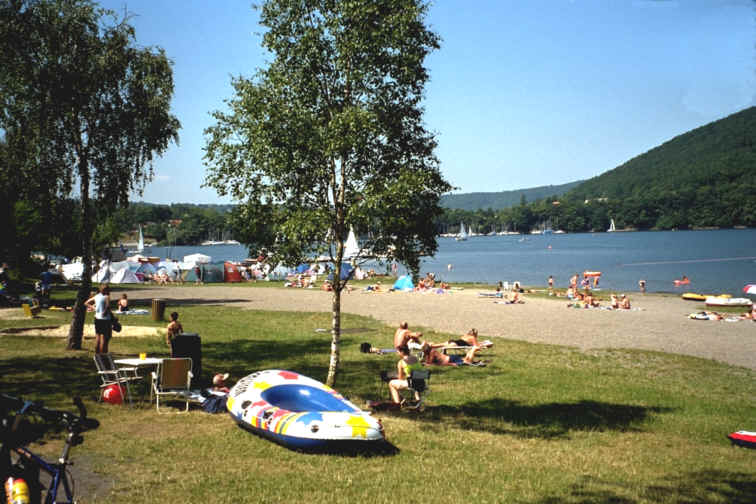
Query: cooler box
<point>189,345</point>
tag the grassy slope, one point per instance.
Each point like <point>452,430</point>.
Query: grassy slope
<point>540,424</point>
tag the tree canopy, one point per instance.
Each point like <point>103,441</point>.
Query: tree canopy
<point>82,106</point>
<point>329,136</point>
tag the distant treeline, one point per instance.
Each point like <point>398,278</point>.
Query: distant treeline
<point>703,178</point>
<point>177,223</point>
<point>503,199</point>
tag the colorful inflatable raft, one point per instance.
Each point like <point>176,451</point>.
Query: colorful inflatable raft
<point>299,412</point>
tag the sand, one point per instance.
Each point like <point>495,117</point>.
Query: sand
<point>656,322</point>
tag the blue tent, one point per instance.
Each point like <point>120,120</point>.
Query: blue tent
<point>346,271</point>
<point>404,282</point>
<point>302,268</point>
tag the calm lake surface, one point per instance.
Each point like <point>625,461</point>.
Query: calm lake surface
<point>720,261</point>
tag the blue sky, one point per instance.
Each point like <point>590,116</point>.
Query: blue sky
<point>522,93</point>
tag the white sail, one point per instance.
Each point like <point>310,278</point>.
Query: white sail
<point>351,247</point>
<point>140,245</point>
<point>462,236</point>
<point>611,227</point>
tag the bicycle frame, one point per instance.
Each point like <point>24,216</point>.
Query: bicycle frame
<point>56,470</point>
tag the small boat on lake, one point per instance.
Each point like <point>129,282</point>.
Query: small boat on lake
<point>462,236</point>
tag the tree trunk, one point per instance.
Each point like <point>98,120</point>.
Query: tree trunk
<point>335,331</point>
<point>76,330</point>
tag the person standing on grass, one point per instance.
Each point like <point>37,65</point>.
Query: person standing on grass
<point>103,321</point>
<point>174,328</point>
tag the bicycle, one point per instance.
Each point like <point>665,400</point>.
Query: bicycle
<point>28,464</point>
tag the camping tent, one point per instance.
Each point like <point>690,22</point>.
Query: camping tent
<point>123,276</point>
<point>231,272</point>
<point>346,270</point>
<point>404,282</point>
<point>197,259</point>
<point>73,271</point>
<point>210,273</point>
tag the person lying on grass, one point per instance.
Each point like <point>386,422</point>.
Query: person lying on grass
<point>431,356</point>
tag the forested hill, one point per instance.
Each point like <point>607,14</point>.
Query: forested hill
<point>504,199</point>
<point>709,166</point>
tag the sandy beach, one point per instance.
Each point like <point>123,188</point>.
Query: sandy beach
<point>656,322</point>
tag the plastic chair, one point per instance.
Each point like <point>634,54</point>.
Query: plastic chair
<point>111,374</point>
<point>174,379</point>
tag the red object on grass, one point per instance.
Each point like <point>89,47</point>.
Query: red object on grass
<point>113,394</point>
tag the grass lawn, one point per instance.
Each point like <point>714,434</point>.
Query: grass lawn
<point>539,424</point>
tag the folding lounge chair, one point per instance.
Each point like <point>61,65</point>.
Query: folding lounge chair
<point>111,374</point>
<point>174,379</point>
<point>418,386</point>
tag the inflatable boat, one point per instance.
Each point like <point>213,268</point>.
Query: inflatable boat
<point>299,412</point>
<point>694,296</point>
<point>743,438</point>
<point>721,301</point>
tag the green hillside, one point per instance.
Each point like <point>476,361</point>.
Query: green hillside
<point>503,199</point>
<point>701,178</point>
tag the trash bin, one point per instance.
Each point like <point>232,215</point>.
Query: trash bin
<point>189,345</point>
<point>158,309</point>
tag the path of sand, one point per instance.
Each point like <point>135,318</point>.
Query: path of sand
<point>661,324</point>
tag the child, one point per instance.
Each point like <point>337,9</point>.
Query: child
<point>219,383</point>
<point>173,329</point>
<point>123,303</point>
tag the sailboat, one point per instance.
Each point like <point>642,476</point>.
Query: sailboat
<point>140,245</point>
<point>462,236</point>
<point>611,227</point>
<point>351,246</point>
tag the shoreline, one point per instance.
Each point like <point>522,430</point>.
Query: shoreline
<point>656,323</point>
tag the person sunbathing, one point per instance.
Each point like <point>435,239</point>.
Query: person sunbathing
<point>403,336</point>
<point>470,338</point>
<point>123,303</point>
<point>431,356</point>
<point>625,302</point>
<point>614,303</point>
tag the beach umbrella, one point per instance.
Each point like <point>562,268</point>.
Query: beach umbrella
<point>750,289</point>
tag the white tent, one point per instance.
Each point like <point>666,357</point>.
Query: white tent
<point>102,275</point>
<point>118,266</point>
<point>124,276</point>
<point>197,259</point>
<point>170,267</point>
<point>73,271</point>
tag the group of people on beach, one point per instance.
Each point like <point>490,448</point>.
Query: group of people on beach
<point>429,354</point>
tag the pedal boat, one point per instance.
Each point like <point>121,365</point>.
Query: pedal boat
<point>299,412</point>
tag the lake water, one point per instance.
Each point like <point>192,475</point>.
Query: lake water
<point>715,261</point>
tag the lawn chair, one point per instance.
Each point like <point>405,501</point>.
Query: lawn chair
<point>418,386</point>
<point>31,311</point>
<point>111,374</point>
<point>174,379</point>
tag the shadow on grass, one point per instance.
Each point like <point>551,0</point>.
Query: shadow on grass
<point>341,448</point>
<point>689,488</point>
<point>552,420</point>
<point>45,377</point>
